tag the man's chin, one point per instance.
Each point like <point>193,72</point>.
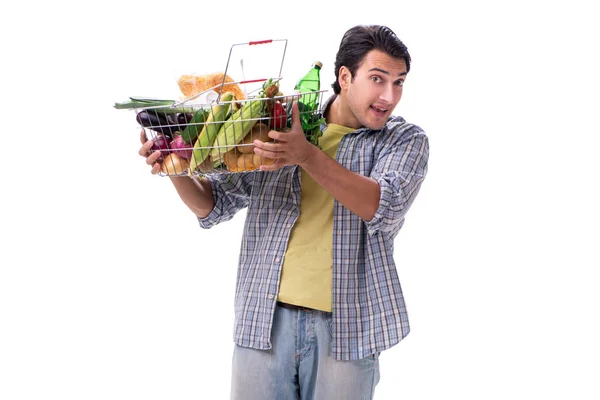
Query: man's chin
<point>374,126</point>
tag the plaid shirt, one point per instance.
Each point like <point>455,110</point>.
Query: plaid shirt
<point>368,310</point>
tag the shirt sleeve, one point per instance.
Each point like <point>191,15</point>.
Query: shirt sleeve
<point>400,170</point>
<point>231,193</point>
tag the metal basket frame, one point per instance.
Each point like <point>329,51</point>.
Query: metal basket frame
<point>173,118</point>
<point>220,156</point>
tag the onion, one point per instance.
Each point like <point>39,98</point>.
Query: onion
<point>181,148</point>
<point>174,165</point>
<point>161,143</point>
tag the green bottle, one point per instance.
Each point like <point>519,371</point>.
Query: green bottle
<point>311,82</point>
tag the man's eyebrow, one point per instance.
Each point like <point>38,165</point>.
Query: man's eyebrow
<point>386,72</point>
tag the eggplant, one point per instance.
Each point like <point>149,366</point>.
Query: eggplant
<point>184,118</point>
<point>158,122</point>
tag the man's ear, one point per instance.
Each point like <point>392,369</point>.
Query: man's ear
<point>344,77</point>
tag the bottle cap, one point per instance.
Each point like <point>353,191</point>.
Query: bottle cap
<point>318,64</point>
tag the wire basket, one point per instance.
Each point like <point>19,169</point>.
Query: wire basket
<point>203,135</point>
<point>230,148</point>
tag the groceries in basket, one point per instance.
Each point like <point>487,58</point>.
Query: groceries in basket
<point>308,103</point>
<point>200,139</point>
<point>192,85</point>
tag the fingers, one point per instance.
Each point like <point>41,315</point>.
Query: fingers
<point>296,116</point>
<point>273,167</point>
<point>155,168</point>
<point>145,149</point>
<point>276,135</point>
<point>150,156</point>
<point>153,158</point>
<point>268,154</point>
<point>268,150</point>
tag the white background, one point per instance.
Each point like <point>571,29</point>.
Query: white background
<point>110,290</point>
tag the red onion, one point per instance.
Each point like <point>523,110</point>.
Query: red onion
<point>181,148</point>
<point>162,143</point>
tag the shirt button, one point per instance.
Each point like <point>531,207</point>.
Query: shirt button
<point>277,259</point>
<point>271,297</point>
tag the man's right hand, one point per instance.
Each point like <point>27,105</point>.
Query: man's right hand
<point>146,152</point>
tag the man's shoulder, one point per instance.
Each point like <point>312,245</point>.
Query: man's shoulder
<point>398,126</point>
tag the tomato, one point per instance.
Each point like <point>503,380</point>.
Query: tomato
<point>278,116</point>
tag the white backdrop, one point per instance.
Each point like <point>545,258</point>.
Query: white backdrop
<point>110,290</point>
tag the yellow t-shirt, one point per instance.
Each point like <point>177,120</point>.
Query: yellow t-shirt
<point>306,271</point>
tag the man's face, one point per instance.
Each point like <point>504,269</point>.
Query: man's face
<point>375,90</point>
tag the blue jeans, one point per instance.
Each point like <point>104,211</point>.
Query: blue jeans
<point>299,365</point>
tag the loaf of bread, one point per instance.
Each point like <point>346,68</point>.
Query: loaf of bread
<point>191,85</point>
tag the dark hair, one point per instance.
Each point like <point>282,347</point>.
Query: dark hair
<point>361,39</point>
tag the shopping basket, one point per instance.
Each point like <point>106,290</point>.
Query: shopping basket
<point>212,131</point>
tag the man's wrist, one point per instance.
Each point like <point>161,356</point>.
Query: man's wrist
<point>311,157</point>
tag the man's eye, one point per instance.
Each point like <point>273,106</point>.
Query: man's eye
<point>400,83</point>
<point>376,79</point>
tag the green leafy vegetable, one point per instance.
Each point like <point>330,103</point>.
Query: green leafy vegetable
<point>143,103</point>
<point>310,120</point>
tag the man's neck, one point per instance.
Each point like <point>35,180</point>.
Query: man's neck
<point>338,113</point>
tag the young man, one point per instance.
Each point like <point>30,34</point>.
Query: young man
<point>318,296</point>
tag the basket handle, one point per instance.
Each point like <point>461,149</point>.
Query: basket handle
<point>260,42</point>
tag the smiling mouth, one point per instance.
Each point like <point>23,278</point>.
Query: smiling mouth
<point>379,110</point>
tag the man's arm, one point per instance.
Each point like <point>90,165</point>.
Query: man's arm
<point>196,195</point>
<point>359,194</point>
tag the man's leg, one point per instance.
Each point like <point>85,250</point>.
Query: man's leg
<point>323,378</point>
<point>268,374</point>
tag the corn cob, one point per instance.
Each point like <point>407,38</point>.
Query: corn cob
<point>235,128</point>
<point>211,128</point>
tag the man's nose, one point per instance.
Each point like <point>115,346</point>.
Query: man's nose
<point>387,94</point>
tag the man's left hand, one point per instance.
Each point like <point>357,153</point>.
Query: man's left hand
<point>289,148</point>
